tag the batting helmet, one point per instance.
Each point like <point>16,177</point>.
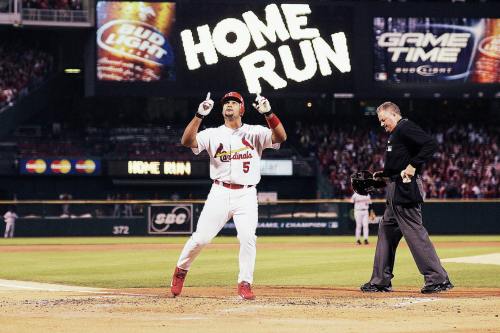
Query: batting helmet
<point>363,182</point>
<point>235,97</point>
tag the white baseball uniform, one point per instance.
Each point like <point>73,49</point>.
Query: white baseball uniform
<point>361,206</point>
<point>10,220</point>
<point>235,168</point>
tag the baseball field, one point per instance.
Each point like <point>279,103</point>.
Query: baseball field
<point>303,284</point>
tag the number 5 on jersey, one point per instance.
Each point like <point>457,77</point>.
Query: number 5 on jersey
<point>246,166</point>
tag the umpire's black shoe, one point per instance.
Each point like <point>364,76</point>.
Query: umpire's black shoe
<point>436,288</point>
<point>373,288</point>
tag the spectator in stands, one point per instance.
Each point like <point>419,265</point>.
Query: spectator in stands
<point>471,173</point>
<point>127,208</point>
<point>22,66</point>
<point>65,207</point>
<point>117,210</point>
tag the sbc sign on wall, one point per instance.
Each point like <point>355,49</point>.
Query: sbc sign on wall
<point>170,219</point>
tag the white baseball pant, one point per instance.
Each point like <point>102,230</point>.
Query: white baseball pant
<point>361,217</point>
<point>9,230</point>
<point>222,204</point>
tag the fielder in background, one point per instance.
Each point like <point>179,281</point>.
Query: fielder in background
<point>10,221</point>
<point>235,151</point>
<point>408,148</point>
<point>361,207</point>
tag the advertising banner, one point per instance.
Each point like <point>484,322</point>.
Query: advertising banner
<point>425,49</point>
<point>276,167</point>
<point>133,41</point>
<point>60,166</point>
<point>170,219</point>
<point>150,168</point>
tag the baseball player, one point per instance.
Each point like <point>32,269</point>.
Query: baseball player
<point>10,220</point>
<point>235,151</point>
<point>361,206</point>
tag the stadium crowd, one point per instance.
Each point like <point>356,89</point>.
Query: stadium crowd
<point>22,67</point>
<point>466,164</point>
<point>53,4</point>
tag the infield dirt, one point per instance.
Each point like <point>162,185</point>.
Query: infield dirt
<point>277,309</point>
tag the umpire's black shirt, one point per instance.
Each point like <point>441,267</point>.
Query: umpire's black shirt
<point>407,144</point>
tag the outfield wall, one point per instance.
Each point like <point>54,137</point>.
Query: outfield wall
<point>303,217</point>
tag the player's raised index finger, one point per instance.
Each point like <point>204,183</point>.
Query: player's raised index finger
<point>208,96</point>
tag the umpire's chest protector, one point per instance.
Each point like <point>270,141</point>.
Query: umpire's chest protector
<point>397,156</point>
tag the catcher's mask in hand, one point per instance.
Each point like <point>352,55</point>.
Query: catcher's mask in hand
<point>363,182</point>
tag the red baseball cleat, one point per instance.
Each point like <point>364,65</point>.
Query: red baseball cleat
<point>178,281</point>
<point>245,290</point>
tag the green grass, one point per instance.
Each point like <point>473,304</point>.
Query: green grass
<point>285,265</point>
<point>218,240</point>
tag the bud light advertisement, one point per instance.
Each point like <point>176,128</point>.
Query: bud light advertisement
<point>413,50</point>
<point>133,41</point>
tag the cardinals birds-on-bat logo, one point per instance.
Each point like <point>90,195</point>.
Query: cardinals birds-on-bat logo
<point>246,143</point>
<point>220,152</point>
<point>234,154</point>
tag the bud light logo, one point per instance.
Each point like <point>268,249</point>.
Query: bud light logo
<point>170,219</point>
<point>490,46</point>
<point>135,40</point>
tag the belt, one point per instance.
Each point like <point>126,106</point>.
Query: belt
<point>231,186</point>
<point>361,210</point>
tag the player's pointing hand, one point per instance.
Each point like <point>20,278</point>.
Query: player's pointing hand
<point>206,106</point>
<point>261,104</point>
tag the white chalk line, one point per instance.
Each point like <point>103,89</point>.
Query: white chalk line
<point>412,301</point>
<point>485,259</point>
<point>26,285</point>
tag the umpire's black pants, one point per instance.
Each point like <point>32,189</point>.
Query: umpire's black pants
<point>405,221</point>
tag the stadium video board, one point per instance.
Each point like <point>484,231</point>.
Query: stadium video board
<point>267,47</point>
<point>213,46</point>
<point>134,41</point>
<point>158,168</point>
<point>436,50</point>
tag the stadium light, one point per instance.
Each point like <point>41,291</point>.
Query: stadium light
<point>72,70</point>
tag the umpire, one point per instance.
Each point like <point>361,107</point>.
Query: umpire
<point>408,148</point>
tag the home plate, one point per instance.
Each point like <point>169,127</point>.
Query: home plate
<point>489,259</point>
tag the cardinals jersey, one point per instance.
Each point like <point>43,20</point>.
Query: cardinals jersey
<point>361,202</point>
<point>235,153</point>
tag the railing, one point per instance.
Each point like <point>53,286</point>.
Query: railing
<point>296,208</point>
<point>55,15</point>
<point>56,209</point>
<point>6,6</point>
<point>50,218</point>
